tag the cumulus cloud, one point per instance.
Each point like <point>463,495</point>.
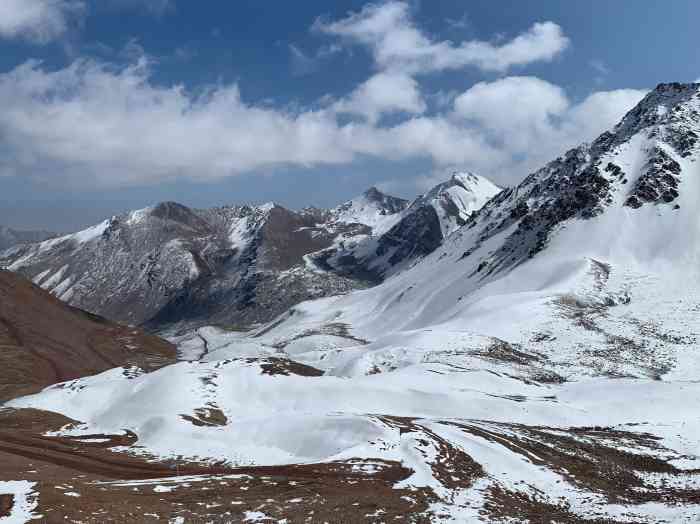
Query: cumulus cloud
<point>383,93</point>
<point>540,121</point>
<point>396,43</point>
<point>38,21</point>
<point>89,120</point>
<point>531,106</point>
<point>103,125</point>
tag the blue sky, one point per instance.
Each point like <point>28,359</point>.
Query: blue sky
<point>116,104</point>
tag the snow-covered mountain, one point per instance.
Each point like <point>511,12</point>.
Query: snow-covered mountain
<point>238,266</point>
<point>11,237</point>
<point>373,208</point>
<point>540,364</point>
<point>412,233</point>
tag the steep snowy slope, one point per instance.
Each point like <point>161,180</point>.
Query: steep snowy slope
<point>455,200</point>
<point>540,365</point>
<point>605,233</point>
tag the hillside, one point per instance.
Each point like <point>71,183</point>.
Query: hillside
<point>43,341</point>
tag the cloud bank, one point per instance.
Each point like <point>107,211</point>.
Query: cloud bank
<point>96,123</point>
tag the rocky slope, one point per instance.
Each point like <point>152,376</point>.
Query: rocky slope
<point>540,365</point>
<point>416,232</point>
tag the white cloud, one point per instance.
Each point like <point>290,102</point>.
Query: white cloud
<point>517,110</point>
<point>104,126</point>
<point>397,44</point>
<point>115,127</point>
<point>42,21</point>
<point>600,112</point>
<point>38,21</point>
<point>530,118</point>
<point>383,93</point>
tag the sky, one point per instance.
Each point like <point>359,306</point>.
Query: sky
<point>111,105</point>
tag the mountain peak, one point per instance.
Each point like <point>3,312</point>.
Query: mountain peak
<point>673,103</point>
<point>374,194</point>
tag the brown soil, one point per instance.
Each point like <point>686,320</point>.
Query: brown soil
<point>452,467</point>
<point>103,481</point>
<point>209,416</point>
<point>282,366</point>
<point>6,503</point>
<point>586,458</point>
<point>509,506</point>
<point>44,341</point>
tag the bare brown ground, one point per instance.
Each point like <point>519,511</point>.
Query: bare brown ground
<point>44,341</point>
<point>6,503</point>
<point>87,482</point>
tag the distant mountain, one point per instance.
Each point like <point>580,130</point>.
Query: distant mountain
<point>11,237</point>
<point>169,263</point>
<point>411,234</point>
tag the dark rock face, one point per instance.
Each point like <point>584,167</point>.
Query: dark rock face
<point>264,280</point>
<point>570,187</point>
<point>184,216</point>
<point>422,227</point>
<point>417,235</point>
<point>659,184</point>
<point>287,236</point>
<point>387,204</point>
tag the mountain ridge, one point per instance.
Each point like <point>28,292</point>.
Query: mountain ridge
<point>168,264</point>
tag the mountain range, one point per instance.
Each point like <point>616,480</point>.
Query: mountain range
<point>481,354</point>
<point>241,265</point>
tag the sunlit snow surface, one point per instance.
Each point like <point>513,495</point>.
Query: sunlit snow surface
<point>589,345</point>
